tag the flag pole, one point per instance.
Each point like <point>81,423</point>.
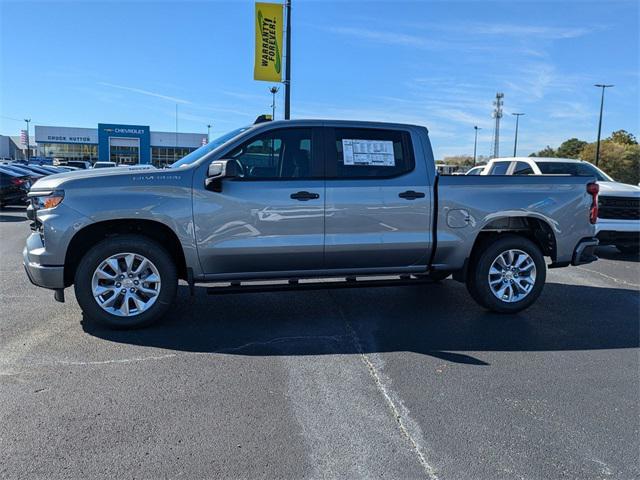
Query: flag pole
<point>287,78</point>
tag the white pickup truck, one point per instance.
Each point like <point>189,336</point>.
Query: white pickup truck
<point>618,203</point>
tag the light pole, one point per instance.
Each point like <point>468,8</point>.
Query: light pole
<point>27,120</point>
<point>175,149</point>
<point>208,133</point>
<point>515,143</point>
<point>273,91</point>
<point>602,86</point>
<point>475,144</point>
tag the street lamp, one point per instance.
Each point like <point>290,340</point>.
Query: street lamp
<point>475,144</point>
<point>515,143</point>
<point>27,120</point>
<point>273,91</point>
<point>208,133</point>
<point>602,86</point>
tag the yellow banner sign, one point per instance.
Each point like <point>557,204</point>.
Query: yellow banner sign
<point>268,56</point>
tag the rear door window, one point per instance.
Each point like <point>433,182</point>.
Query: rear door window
<point>499,168</point>
<point>523,168</point>
<point>368,153</point>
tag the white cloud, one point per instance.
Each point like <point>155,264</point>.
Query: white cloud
<point>519,30</point>
<point>388,38</point>
<point>146,92</point>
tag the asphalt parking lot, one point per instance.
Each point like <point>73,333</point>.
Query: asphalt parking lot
<point>395,382</point>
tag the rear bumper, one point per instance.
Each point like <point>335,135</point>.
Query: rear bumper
<point>45,276</point>
<point>585,251</point>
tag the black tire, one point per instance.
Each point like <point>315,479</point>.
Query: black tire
<point>137,244</point>
<point>481,261</point>
<point>629,249</point>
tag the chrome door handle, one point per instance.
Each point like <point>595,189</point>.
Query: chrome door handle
<point>304,196</point>
<point>411,195</point>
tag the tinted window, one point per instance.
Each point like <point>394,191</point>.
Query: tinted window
<point>368,152</point>
<point>570,168</point>
<point>285,153</point>
<point>523,168</point>
<point>499,168</point>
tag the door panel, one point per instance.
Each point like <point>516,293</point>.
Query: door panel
<point>258,227</point>
<point>271,219</point>
<point>380,218</point>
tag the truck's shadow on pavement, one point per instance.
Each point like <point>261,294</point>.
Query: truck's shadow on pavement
<point>435,320</point>
<point>612,253</point>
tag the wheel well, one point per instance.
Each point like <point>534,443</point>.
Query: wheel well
<point>92,234</point>
<point>536,230</point>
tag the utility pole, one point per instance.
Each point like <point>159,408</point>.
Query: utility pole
<point>602,86</point>
<point>27,120</point>
<point>287,78</point>
<point>515,143</point>
<point>475,144</point>
<point>208,133</point>
<point>497,114</point>
<point>273,91</point>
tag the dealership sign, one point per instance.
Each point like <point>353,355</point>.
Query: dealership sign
<point>65,135</point>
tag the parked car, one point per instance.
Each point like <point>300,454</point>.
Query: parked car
<point>22,171</point>
<point>37,170</point>
<point>618,203</point>
<point>51,169</point>
<point>13,187</point>
<point>81,164</point>
<point>475,170</point>
<point>104,164</point>
<point>302,199</point>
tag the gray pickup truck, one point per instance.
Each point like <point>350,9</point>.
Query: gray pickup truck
<point>297,202</point>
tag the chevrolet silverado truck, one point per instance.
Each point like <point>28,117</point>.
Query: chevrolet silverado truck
<point>301,204</point>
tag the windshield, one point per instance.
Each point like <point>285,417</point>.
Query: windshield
<point>202,151</point>
<point>574,169</point>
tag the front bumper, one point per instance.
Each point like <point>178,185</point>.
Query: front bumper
<point>585,251</point>
<point>612,225</point>
<point>46,276</point>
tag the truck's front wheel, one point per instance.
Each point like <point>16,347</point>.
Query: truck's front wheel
<point>507,275</point>
<point>126,281</point>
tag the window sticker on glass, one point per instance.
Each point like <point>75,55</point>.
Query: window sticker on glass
<point>378,153</point>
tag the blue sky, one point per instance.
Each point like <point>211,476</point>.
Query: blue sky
<point>437,64</point>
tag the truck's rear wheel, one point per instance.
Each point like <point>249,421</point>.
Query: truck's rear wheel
<point>126,281</point>
<point>507,275</point>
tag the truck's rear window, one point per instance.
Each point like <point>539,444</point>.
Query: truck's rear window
<point>570,168</point>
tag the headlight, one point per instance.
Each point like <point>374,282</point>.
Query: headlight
<point>48,199</point>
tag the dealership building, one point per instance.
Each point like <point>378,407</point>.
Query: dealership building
<point>123,144</point>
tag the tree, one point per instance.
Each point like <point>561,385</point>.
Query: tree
<point>623,138</point>
<point>545,152</point>
<point>459,160</point>
<point>618,160</point>
<point>571,148</point>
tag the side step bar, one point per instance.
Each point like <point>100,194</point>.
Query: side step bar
<point>254,286</point>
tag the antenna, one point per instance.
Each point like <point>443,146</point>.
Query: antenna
<point>497,114</point>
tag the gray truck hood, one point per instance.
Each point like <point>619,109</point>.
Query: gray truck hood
<point>57,180</point>
<point>617,189</point>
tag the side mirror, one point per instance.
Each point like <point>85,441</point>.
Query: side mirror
<point>218,170</point>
